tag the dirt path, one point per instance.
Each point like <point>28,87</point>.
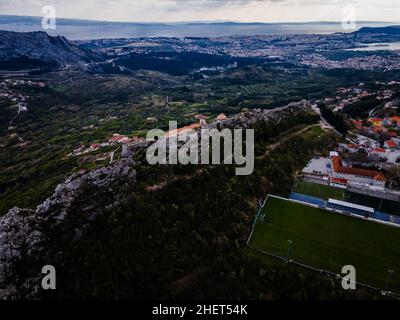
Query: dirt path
<point>283,139</point>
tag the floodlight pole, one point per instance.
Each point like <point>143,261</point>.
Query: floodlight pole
<point>389,273</point>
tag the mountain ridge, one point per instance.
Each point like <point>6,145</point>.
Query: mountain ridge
<point>21,50</point>
<point>35,19</point>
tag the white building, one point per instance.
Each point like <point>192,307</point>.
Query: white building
<point>345,175</point>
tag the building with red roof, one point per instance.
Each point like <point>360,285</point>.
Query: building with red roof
<point>390,144</point>
<point>338,182</point>
<point>379,129</point>
<point>352,146</point>
<point>396,120</point>
<point>379,150</point>
<point>222,117</point>
<point>356,175</point>
<point>358,123</point>
<point>376,121</point>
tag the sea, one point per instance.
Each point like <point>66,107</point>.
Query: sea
<point>89,30</point>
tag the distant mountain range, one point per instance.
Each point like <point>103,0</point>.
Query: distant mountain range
<point>91,29</point>
<point>33,20</point>
<point>32,50</point>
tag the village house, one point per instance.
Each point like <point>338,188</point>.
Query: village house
<point>390,144</point>
<point>358,124</point>
<point>152,119</point>
<point>345,175</point>
<point>119,138</point>
<point>376,122</point>
<point>352,148</point>
<point>222,117</point>
<point>395,121</point>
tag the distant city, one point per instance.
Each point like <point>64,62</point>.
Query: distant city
<point>84,214</point>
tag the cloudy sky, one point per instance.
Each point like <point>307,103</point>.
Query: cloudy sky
<point>201,10</point>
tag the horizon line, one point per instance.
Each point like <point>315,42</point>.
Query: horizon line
<point>200,21</point>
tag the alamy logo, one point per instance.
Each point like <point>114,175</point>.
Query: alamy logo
<point>349,278</point>
<point>349,17</point>
<point>49,17</point>
<point>190,147</point>
<point>49,280</point>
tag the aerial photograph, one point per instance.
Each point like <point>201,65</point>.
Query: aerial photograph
<point>179,151</point>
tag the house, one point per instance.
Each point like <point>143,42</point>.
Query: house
<point>222,117</point>
<point>339,183</point>
<point>365,94</point>
<point>333,170</point>
<point>379,129</point>
<point>395,121</point>
<point>119,138</point>
<point>358,123</point>
<point>378,150</point>
<point>152,119</point>
<point>352,147</point>
<point>356,175</point>
<point>376,122</point>
<point>390,144</point>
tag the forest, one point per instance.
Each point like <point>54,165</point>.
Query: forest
<point>182,232</point>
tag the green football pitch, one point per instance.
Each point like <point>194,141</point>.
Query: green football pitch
<point>329,241</point>
<point>319,191</point>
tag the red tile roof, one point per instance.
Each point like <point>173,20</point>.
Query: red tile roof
<point>338,180</point>
<point>396,118</point>
<point>378,150</point>
<point>377,129</point>
<point>352,146</point>
<point>222,116</point>
<point>338,167</point>
<point>380,177</point>
<point>391,144</point>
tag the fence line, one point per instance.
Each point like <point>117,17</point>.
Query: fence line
<point>306,266</point>
<point>327,273</point>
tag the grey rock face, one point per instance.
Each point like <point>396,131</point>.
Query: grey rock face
<point>269,115</point>
<point>41,47</point>
<point>22,231</point>
<point>19,235</point>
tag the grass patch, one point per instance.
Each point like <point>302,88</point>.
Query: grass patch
<point>319,191</point>
<point>330,241</point>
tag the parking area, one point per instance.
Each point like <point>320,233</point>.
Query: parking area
<point>318,166</point>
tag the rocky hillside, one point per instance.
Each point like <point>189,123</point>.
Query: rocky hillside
<point>75,203</point>
<point>39,50</point>
<point>118,220</point>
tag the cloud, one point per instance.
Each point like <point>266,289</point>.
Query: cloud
<point>186,10</point>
